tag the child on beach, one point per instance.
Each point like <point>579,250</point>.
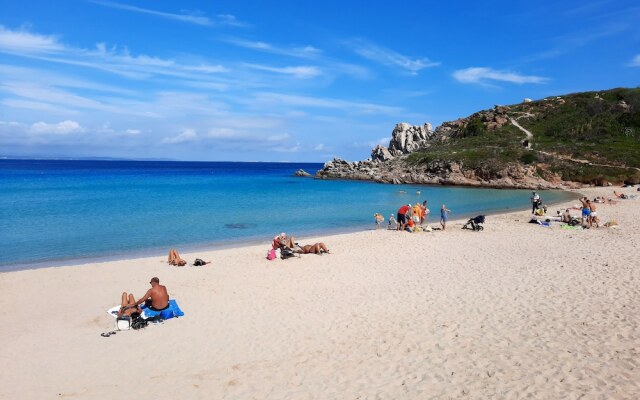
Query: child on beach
<point>392,223</point>
<point>378,219</point>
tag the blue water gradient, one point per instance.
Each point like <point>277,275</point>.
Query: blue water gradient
<point>56,211</point>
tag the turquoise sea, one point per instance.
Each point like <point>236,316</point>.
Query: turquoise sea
<point>63,212</point>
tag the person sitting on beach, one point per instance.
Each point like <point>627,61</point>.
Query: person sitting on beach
<point>443,216</point>
<point>378,219</point>
<point>566,216</point>
<point>128,305</point>
<point>620,195</point>
<point>156,298</point>
<point>283,240</point>
<point>317,248</point>
<point>410,227</point>
<point>174,259</point>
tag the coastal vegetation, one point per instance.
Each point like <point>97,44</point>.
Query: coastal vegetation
<point>589,137</point>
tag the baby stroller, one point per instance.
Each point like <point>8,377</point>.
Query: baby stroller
<point>475,223</point>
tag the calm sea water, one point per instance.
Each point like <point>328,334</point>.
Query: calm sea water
<point>55,212</point>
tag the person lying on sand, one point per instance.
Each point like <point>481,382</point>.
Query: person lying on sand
<point>620,195</point>
<point>174,259</point>
<point>317,248</point>
<point>128,305</point>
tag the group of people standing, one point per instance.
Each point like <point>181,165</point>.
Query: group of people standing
<point>410,216</point>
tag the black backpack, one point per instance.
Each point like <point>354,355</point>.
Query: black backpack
<point>198,262</point>
<point>286,252</point>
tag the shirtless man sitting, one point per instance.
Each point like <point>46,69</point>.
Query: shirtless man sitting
<point>156,298</point>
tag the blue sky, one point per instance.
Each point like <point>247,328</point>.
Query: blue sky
<point>286,80</point>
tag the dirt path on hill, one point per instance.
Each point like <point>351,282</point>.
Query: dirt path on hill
<point>562,157</point>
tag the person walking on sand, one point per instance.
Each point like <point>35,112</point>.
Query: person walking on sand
<point>443,216</point>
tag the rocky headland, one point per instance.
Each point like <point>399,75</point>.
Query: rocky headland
<point>516,146</point>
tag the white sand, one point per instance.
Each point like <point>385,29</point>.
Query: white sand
<point>515,311</point>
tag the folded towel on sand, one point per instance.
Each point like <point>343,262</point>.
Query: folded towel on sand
<point>173,311</point>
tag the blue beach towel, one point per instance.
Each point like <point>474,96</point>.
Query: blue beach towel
<point>173,311</point>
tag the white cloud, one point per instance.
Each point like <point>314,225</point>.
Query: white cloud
<point>302,72</point>
<point>193,19</point>
<point>187,135</point>
<point>318,147</point>
<point>635,62</point>
<point>303,52</point>
<point>483,74</point>
<point>306,101</point>
<point>133,131</point>
<point>22,41</point>
<point>230,20</point>
<point>391,58</point>
<point>62,128</point>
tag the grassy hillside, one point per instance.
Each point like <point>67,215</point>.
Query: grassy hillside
<point>574,137</point>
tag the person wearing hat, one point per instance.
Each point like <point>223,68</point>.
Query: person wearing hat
<point>283,240</point>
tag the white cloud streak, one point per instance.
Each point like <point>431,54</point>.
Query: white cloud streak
<point>304,101</point>
<point>635,62</point>
<point>482,75</point>
<point>25,42</point>
<point>389,57</point>
<point>301,72</point>
<point>193,19</point>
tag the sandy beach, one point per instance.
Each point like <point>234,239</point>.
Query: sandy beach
<point>515,311</point>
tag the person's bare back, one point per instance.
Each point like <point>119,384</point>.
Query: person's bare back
<point>158,296</point>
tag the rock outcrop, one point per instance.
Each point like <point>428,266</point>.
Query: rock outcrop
<point>406,138</point>
<point>389,165</point>
<point>301,172</point>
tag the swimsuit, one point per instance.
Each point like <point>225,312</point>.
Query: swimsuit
<point>152,308</point>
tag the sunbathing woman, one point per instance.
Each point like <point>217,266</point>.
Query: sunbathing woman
<point>620,195</point>
<point>317,248</point>
<point>283,240</point>
<point>128,305</point>
<point>174,259</point>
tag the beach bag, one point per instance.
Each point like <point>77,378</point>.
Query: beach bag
<point>123,323</point>
<point>198,262</point>
<point>138,322</point>
<point>271,254</point>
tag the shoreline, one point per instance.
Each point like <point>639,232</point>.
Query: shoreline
<point>517,310</point>
<point>234,244</point>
